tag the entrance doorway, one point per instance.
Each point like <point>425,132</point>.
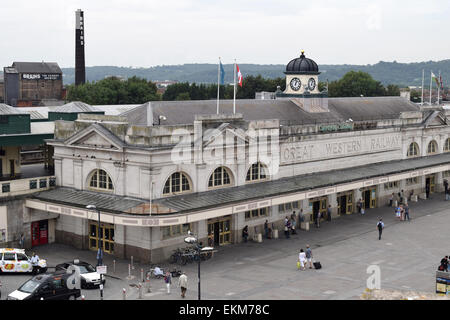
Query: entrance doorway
<point>106,235</point>
<point>319,205</point>
<point>345,203</point>
<point>430,184</point>
<point>369,197</point>
<point>219,231</point>
<point>39,233</point>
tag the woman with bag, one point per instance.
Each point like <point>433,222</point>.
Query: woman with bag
<point>301,260</point>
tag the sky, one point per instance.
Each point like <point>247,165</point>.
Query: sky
<point>145,33</point>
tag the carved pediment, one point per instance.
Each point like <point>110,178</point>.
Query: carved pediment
<point>95,136</point>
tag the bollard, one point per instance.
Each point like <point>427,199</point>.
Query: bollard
<point>148,284</point>
<point>129,271</point>
<point>142,275</point>
<point>114,266</point>
<point>132,265</point>
<point>140,291</point>
<point>124,294</point>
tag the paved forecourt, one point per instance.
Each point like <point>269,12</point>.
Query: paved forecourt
<point>408,255</point>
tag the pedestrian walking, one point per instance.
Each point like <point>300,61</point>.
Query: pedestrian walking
<point>359,205</point>
<point>99,257</point>
<point>302,259</point>
<point>293,222</point>
<point>444,264</point>
<point>245,233</point>
<point>391,199</point>
<point>319,216</point>
<point>287,227</point>
<point>168,281</point>
<point>266,229</point>
<point>35,263</point>
<point>329,213</point>
<point>309,256</point>
<point>380,227</point>
<point>446,191</point>
<point>182,282</point>
<point>21,241</point>
<point>398,212</point>
<point>406,209</point>
<point>427,190</point>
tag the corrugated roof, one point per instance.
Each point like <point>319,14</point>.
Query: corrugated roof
<point>341,109</point>
<point>6,109</point>
<point>75,107</point>
<point>80,199</point>
<point>210,199</point>
<point>37,67</point>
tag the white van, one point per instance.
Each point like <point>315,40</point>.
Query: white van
<point>15,260</point>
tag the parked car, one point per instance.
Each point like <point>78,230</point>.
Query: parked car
<point>51,286</point>
<point>89,276</point>
<point>15,260</point>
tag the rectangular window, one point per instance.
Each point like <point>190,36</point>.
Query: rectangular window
<point>43,183</point>
<point>6,187</point>
<point>254,214</point>
<point>446,174</point>
<point>33,184</point>
<point>174,231</point>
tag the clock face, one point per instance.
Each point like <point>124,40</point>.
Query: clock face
<point>311,84</point>
<point>295,84</point>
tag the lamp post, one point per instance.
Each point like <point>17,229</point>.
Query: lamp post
<point>100,246</point>
<point>191,239</point>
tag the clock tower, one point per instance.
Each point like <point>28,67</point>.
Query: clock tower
<point>302,77</point>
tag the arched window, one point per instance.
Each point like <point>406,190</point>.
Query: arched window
<point>256,172</point>
<point>178,182</point>
<point>100,180</point>
<point>413,150</point>
<point>220,177</point>
<point>432,147</point>
<point>447,145</point>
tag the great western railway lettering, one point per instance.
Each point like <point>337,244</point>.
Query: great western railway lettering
<point>331,148</point>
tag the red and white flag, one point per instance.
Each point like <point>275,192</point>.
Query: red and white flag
<point>239,74</point>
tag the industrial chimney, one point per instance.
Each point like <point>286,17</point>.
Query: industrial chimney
<point>80,70</point>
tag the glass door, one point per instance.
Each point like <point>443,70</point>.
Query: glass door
<point>106,233</point>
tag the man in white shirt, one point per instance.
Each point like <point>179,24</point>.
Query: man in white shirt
<point>182,282</point>
<point>35,262</point>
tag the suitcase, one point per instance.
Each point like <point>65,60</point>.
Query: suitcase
<point>317,265</point>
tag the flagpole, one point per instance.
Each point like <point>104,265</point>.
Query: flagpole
<point>431,84</point>
<point>423,79</point>
<point>234,91</point>
<point>439,86</point>
<point>218,85</point>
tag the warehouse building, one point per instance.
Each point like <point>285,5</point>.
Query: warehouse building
<point>29,84</point>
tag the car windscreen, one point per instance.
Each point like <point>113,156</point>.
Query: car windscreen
<point>29,286</point>
<point>86,268</point>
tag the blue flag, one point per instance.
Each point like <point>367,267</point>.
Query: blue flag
<point>222,73</point>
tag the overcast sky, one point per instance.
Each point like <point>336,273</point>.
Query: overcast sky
<point>144,33</point>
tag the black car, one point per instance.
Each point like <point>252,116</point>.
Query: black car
<point>51,286</point>
<point>90,278</point>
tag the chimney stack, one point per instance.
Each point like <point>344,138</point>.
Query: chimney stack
<point>80,70</point>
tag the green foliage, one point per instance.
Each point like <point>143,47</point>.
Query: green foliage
<point>358,83</point>
<point>250,85</point>
<point>113,90</point>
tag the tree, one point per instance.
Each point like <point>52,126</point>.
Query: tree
<point>113,90</point>
<point>355,84</point>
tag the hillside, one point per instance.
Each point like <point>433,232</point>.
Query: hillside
<point>402,74</point>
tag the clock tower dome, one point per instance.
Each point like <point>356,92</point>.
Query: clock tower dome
<point>302,77</point>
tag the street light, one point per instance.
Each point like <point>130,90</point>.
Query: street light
<point>192,239</point>
<point>100,252</point>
